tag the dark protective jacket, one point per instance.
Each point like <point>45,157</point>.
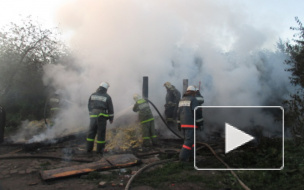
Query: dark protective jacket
<point>173,96</point>
<point>199,98</point>
<point>185,112</point>
<point>100,104</point>
<point>145,113</point>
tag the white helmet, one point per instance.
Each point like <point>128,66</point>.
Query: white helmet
<point>136,97</point>
<point>105,85</point>
<point>191,88</point>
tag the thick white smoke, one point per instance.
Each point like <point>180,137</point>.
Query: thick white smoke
<point>209,41</point>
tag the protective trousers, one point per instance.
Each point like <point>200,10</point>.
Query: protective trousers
<point>170,113</point>
<point>97,126</point>
<point>187,149</point>
<point>148,133</point>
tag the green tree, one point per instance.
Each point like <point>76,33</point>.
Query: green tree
<point>24,49</point>
<point>295,106</point>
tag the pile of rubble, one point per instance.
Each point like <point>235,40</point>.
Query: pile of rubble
<point>124,138</point>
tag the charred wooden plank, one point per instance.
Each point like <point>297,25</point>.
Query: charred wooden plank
<point>123,160</point>
<point>115,161</point>
<point>74,170</point>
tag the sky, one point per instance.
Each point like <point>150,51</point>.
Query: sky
<point>278,14</point>
<point>230,46</point>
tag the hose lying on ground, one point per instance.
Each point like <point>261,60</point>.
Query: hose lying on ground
<point>232,172</point>
<point>205,144</point>
<point>144,168</point>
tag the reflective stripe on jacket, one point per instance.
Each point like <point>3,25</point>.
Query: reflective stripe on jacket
<point>100,114</point>
<point>144,112</point>
<point>185,112</point>
<point>100,104</point>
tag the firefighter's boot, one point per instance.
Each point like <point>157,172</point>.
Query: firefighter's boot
<point>184,155</point>
<point>100,148</point>
<point>147,142</point>
<point>155,142</point>
<point>90,145</point>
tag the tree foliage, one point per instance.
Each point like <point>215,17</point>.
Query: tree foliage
<point>24,49</point>
<point>296,52</point>
<point>295,106</point>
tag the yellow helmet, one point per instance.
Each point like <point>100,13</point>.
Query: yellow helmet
<point>168,85</point>
<point>136,97</point>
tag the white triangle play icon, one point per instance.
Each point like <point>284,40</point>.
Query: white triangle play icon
<point>235,138</point>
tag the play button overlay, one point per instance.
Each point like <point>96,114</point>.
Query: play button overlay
<point>235,138</point>
<point>240,138</point>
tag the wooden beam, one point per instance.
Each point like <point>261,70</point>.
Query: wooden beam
<point>111,162</point>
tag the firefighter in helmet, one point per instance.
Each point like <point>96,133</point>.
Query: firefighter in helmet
<point>185,121</point>
<point>101,109</point>
<point>54,104</point>
<point>146,119</point>
<point>172,99</point>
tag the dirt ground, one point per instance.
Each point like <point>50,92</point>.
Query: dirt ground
<point>24,173</point>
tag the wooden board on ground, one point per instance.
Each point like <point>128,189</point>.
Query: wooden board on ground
<point>114,161</point>
<point>123,160</point>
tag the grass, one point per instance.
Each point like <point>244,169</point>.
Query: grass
<point>175,173</point>
<point>290,177</point>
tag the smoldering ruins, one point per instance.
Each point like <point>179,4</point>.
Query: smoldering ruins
<point>237,64</point>
<point>120,42</point>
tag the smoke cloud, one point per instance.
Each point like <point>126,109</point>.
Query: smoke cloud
<point>213,42</point>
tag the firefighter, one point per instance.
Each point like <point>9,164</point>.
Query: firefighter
<point>54,107</point>
<point>199,96</point>
<point>172,99</point>
<point>146,120</point>
<point>200,99</point>
<point>185,121</point>
<point>101,109</point>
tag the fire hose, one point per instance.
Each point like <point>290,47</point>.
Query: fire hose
<point>232,172</point>
<point>144,168</point>
<point>163,119</point>
<point>165,161</point>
